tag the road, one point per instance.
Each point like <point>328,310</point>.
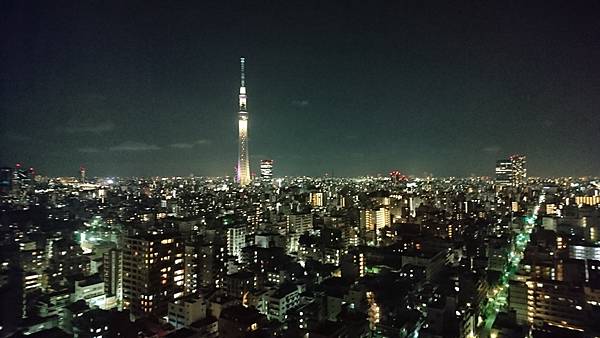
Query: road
<point>498,297</point>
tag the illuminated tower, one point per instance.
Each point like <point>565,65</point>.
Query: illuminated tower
<point>82,174</point>
<point>243,168</point>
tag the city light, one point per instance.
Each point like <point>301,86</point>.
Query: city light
<point>364,170</point>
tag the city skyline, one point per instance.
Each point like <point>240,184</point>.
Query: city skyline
<point>322,169</point>
<point>350,91</point>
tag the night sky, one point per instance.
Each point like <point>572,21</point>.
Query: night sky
<point>341,87</point>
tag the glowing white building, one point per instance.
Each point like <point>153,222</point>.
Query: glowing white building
<point>266,170</point>
<point>243,167</point>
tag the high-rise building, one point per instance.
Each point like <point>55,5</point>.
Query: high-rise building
<point>519,170</point>
<point>113,274</point>
<point>6,175</point>
<point>511,171</point>
<point>82,174</point>
<point>316,199</point>
<point>299,223</point>
<point>503,172</point>
<point>383,217</point>
<point>153,273</point>
<point>367,220</point>
<point>236,241</point>
<point>554,303</point>
<point>266,170</point>
<point>211,265</point>
<point>243,167</point>
<point>191,270</point>
<point>374,219</point>
<point>31,264</point>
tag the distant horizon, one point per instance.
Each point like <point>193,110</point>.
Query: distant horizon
<point>324,175</point>
<point>256,173</point>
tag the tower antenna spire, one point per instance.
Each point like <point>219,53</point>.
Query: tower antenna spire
<point>243,170</point>
<point>243,71</point>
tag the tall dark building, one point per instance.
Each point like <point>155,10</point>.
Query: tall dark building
<point>6,175</point>
<point>503,172</point>
<point>113,274</point>
<point>82,174</point>
<point>211,265</point>
<point>153,273</point>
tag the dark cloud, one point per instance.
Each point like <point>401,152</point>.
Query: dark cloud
<point>189,145</point>
<point>88,127</point>
<point>300,103</point>
<point>88,150</point>
<point>182,145</point>
<point>134,146</point>
<point>492,149</point>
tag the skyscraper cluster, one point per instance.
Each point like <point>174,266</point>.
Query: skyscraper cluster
<point>511,171</point>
